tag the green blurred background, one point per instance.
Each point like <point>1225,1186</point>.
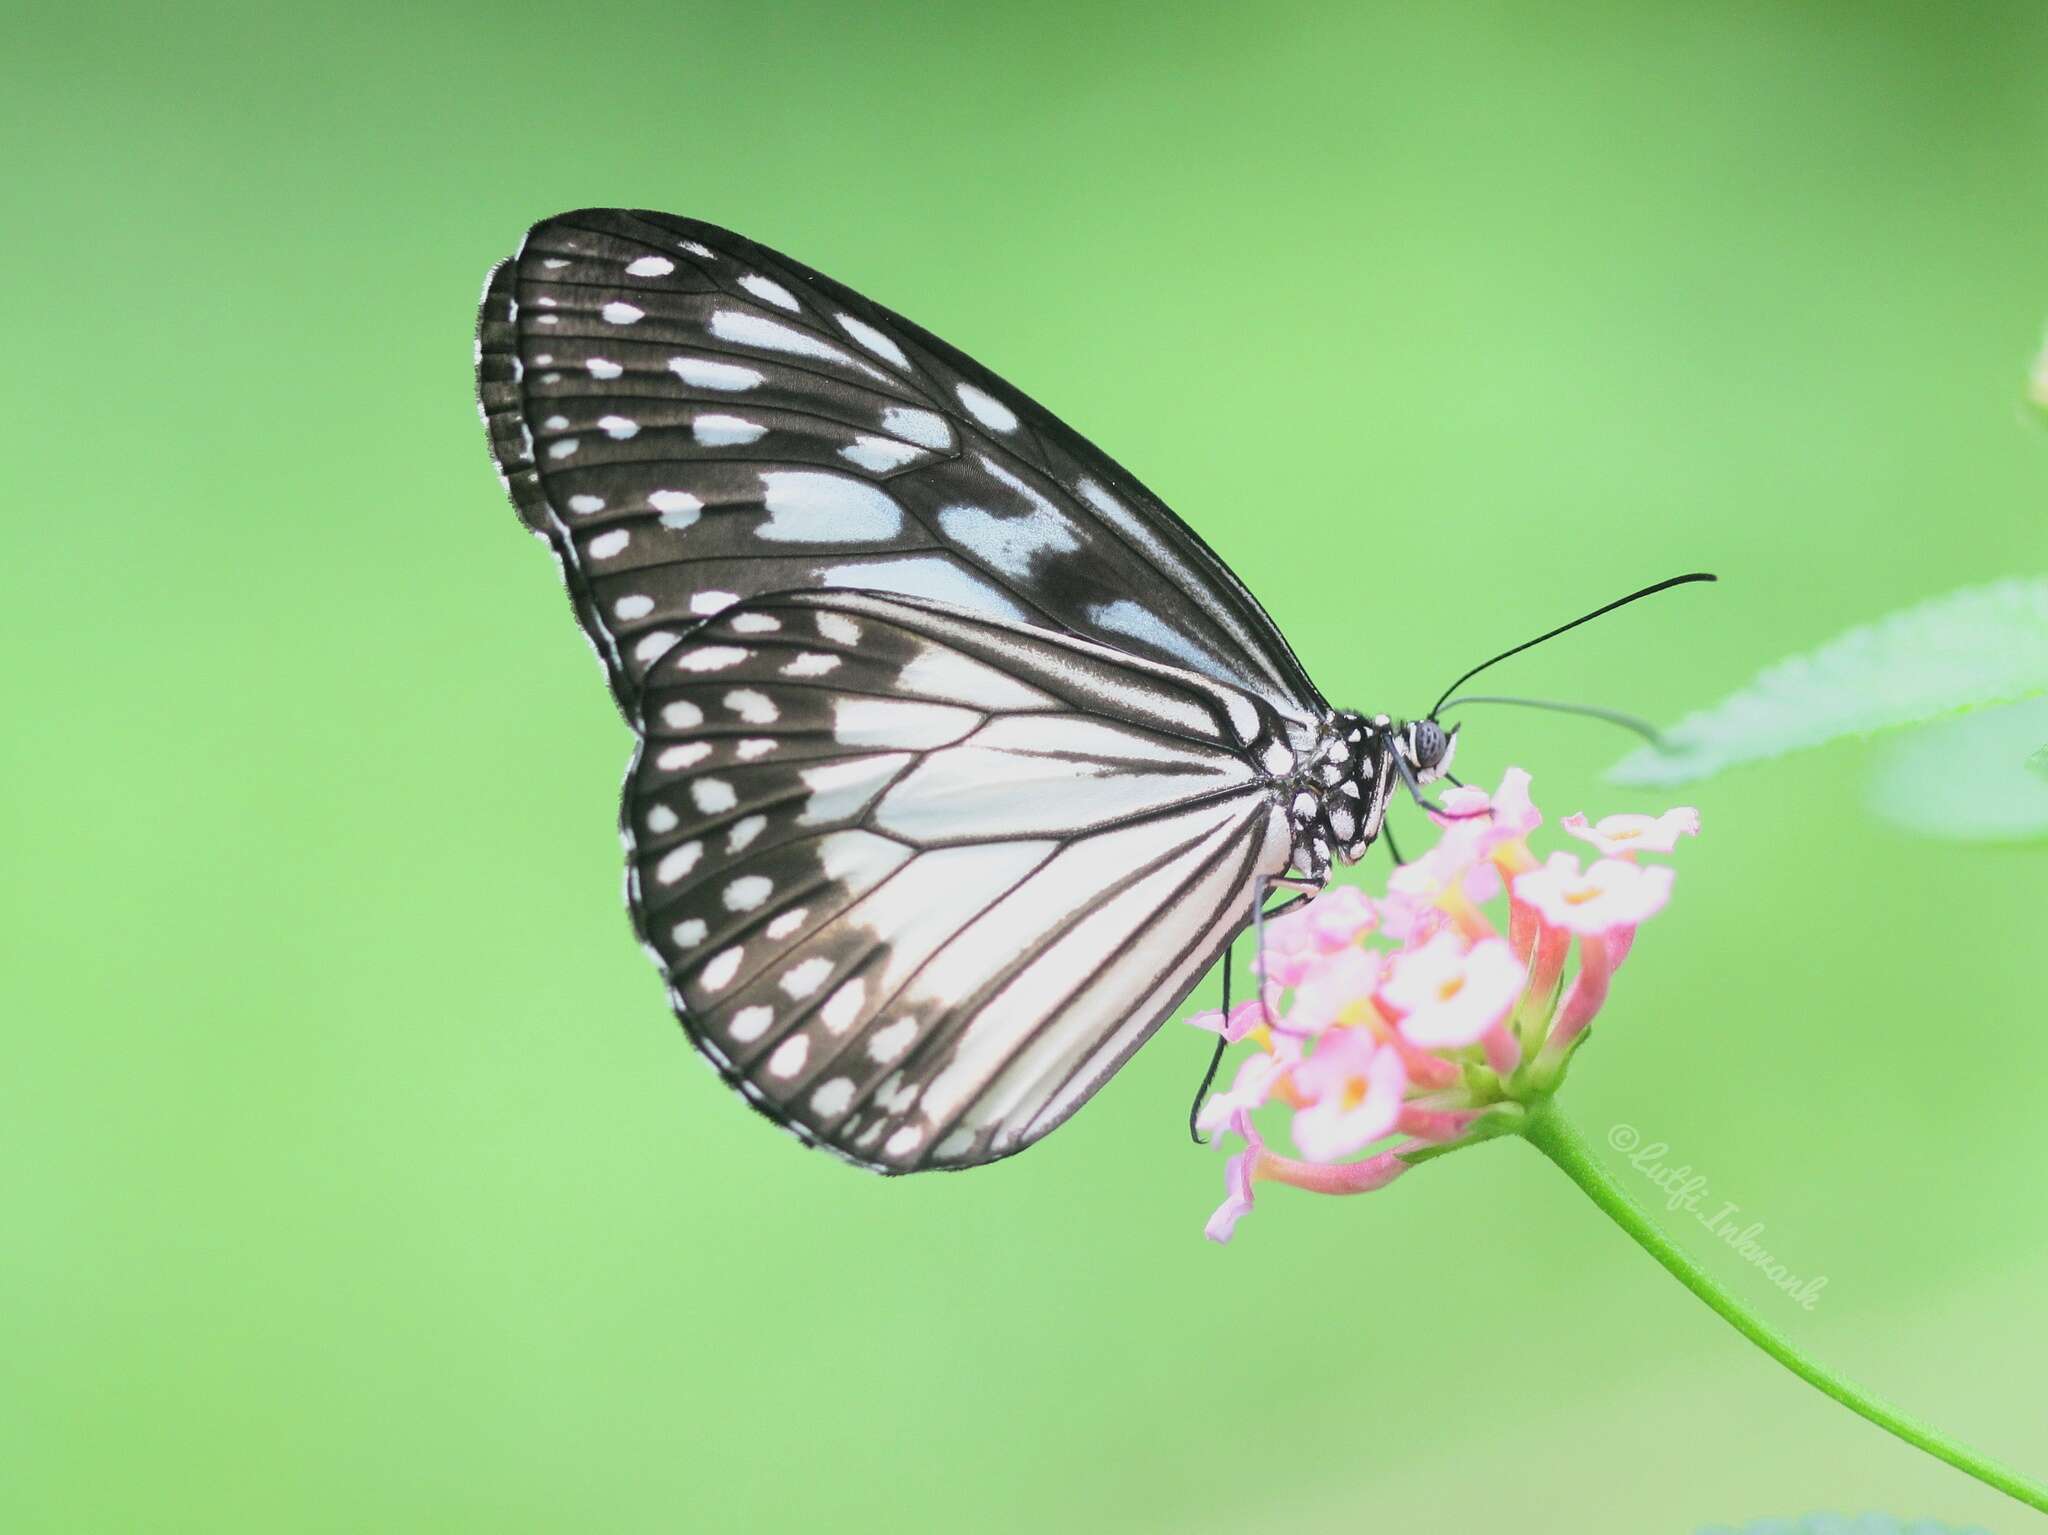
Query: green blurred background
<point>355,1176</point>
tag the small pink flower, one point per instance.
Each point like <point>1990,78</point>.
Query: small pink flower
<point>1619,835</point>
<point>1513,810</point>
<point>1461,802</point>
<point>1614,893</point>
<point>1289,951</point>
<point>1512,815</point>
<point>1452,877</point>
<point>1257,1076</point>
<point>1452,995</point>
<point>1239,1173</point>
<point>1354,1084</point>
<point>1243,1018</point>
<point>1340,916</point>
<point>1411,919</point>
<point>1338,989</point>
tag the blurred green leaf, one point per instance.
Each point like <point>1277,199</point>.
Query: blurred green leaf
<point>1983,645</point>
<point>1967,778</point>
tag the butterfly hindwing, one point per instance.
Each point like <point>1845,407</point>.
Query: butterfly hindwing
<point>921,880</point>
<point>693,420</point>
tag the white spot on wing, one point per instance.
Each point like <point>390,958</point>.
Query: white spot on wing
<point>774,336</point>
<point>1138,621</point>
<point>713,658</point>
<point>619,428</point>
<point>650,266</point>
<point>1010,543</point>
<point>832,1098</point>
<point>880,454</point>
<point>713,796</point>
<point>882,346</point>
<point>679,509</point>
<point>800,980</point>
<point>742,835</point>
<point>752,705</point>
<point>616,313</point>
<point>789,1056</point>
<point>771,290</point>
<point>987,409</point>
<point>634,606</point>
<point>810,663</point>
<point>904,1141</point>
<point>677,862</point>
<point>600,368</point>
<point>689,932</point>
<point>726,431</point>
<point>605,545</point>
<point>844,1005</point>
<point>750,1023</point>
<point>689,754</point>
<point>583,506</point>
<point>926,428</point>
<point>704,373</point>
<point>809,507</point>
<point>748,892</point>
<point>886,1044</point>
<point>681,715</point>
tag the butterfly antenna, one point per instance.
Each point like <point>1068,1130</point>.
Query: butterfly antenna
<point>1586,618</point>
<point>1641,727</point>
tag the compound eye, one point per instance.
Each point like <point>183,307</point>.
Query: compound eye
<point>1429,744</point>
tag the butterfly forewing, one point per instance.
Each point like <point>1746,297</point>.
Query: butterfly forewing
<point>921,880</point>
<point>694,420</point>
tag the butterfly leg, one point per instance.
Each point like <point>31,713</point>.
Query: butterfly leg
<point>1215,1060</point>
<point>1415,792</point>
<point>1260,888</point>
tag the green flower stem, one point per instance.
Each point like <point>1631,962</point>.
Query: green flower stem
<point>1553,1135</point>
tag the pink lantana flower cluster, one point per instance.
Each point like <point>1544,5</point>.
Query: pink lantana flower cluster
<point>1397,1028</point>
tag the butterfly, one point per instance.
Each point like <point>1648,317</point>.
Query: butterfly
<point>960,757</point>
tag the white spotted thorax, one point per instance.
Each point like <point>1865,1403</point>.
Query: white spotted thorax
<point>961,758</point>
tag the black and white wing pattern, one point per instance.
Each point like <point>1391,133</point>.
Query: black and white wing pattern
<point>921,879</point>
<point>692,420</point>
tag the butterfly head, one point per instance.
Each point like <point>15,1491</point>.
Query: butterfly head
<point>1427,748</point>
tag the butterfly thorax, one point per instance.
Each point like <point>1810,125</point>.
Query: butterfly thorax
<point>1339,792</point>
